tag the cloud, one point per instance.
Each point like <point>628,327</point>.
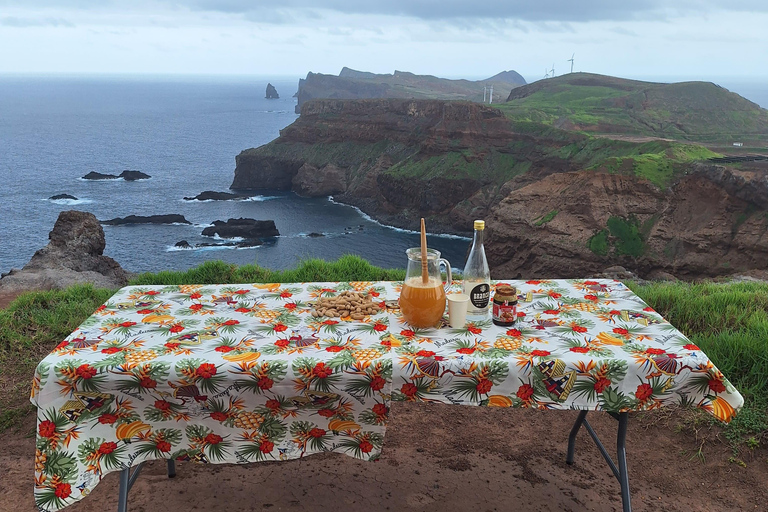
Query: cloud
<point>285,11</point>
<point>21,22</point>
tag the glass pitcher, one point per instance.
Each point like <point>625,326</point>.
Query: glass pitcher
<point>423,304</point>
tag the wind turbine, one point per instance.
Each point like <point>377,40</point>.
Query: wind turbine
<point>571,61</point>
<point>546,73</point>
<point>553,69</point>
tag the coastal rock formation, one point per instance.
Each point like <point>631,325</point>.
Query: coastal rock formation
<point>242,228</point>
<point>62,196</point>
<point>134,175</point>
<point>353,84</point>
<point>210,195</point>
<point>173,218</point>
<point>558,203</point>
<point>126,175</point>
<point>75,254</point>
<point>272,92</point>
<point>93,175</point>
<point>326,181</point>
<point>595,220</point>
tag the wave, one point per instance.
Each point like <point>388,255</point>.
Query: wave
<point>69,202</point>
<point>394,228</point>
<point>256,199</point>
<point>173,248</point>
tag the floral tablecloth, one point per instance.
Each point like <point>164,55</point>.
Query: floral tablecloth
<point>244,373</point>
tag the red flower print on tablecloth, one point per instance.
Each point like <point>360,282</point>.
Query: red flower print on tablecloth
<point>46,429</point>
<point>643,392</point>
<point>525,392</point>
<point>409,389</point>
<point>219,416</point>
<point>213,439</point>
<point>206,370</point>
<point>484,386</point>
<point>377,383</point>
<point>107,448</point>
<point>62,491</point>
<point>163,405</point>
<point>148,383</point>
<point>86,371</point>
<point>317,432</point>
<point>107,418</point>
<point>716,385</point>
<point>321,371</point>
<point>601,384</point>
<point>380,409</point>
<point>163,446</point>
<point>265,383</point>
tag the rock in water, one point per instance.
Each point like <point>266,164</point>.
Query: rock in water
<point>151,219</point>
<point>62,196</point>
<point>134,175</point>
<point>243,228</point>
<point>99,176</point>
<point>272,92</point>
<point>73,255</point>
<point>210,195</point>
<point>183,244</point>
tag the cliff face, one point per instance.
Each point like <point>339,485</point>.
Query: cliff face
<point>554,207</point>
<point>353,84</point>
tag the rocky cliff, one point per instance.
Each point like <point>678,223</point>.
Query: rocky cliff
<point>353,84</point>
<point>557,202</point>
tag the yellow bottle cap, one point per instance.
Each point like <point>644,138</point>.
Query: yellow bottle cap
<point>479,225</point>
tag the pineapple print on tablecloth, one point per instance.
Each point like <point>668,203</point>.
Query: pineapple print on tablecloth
<point>506,343</point>
<point>140,356</point>
<point>248,420</point>
<point>366,354</point>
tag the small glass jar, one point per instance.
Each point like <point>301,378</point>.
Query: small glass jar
<point>505,305</point>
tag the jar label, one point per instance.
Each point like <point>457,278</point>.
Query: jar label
<point>480,295</point>
<point>505,313</point>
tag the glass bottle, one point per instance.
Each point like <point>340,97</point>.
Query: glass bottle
<point>477,277</point>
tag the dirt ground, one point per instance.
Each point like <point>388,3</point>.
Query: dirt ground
<point>449,458</point>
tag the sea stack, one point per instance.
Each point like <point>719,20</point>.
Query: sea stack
<point>272,92</point>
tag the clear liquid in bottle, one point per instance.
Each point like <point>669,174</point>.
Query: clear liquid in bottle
<point>477,276</point>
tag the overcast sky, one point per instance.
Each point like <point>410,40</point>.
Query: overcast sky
<point>681,39</point>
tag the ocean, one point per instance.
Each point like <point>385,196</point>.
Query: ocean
<point>184,133</point>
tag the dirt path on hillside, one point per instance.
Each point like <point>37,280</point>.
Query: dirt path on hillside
<point>444,457</point>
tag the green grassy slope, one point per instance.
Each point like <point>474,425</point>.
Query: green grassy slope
<point>696,111</point>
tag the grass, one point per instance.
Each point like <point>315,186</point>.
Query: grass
<point>627,234</point>
<point>695,111</point>
<point>728,321</point>
<point>547,218</point>
<point>598,244</point>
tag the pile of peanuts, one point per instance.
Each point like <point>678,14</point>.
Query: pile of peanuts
<point>352,304</point>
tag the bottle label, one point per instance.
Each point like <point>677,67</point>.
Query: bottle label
<point>480,295</point>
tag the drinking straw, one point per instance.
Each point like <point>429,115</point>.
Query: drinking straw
<point>424,273</point>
